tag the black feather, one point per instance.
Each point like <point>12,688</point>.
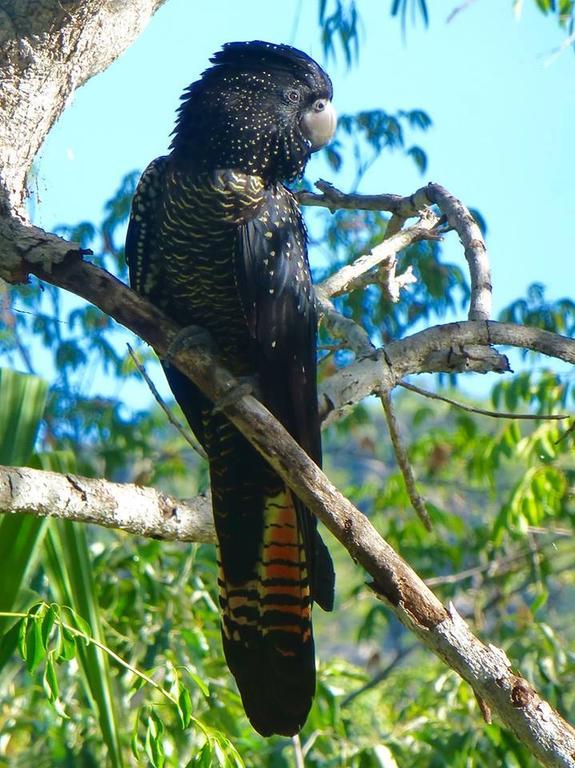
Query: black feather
<point>216,240</point>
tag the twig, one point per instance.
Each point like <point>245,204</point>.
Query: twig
<point>556,52</point>
<point>481,411</point>
<point>347,278</point>
<point>331,347</point>
<point>458,9</point>
<point>493,568</point>
<point>298,752</point>
<point>334,199</point>
<point>566,434</point>
<point>416,499</point>
<point>186,434</point>
<point>457,215</point>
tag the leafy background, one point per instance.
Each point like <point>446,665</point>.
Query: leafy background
<point>110,651</point>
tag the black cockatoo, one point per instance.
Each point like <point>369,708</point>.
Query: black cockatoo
<point>216,240</point>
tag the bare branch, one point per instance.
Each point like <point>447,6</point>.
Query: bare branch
<point>131,508</point>
<point>451,348</point>
<point>352,276</point>
<point>482,411</point>
<point>185,433</point>
<point>475,250</point>
<point>457,215</point>
<point>458,8</point>
<point>417,501</point>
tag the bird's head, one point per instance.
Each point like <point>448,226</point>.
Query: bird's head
<point>261,108</point>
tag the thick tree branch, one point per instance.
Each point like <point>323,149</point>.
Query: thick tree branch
<point>131,508</point>
<point>450,348</point>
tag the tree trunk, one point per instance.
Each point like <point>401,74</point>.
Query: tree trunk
<point>48,48</point>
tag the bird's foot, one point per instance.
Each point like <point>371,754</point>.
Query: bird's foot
<point>190,337</point>
<point>246,385</point>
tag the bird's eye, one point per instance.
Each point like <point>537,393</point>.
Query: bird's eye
<point>293,96</point>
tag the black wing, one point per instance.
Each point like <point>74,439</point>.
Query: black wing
<point>274,282</point>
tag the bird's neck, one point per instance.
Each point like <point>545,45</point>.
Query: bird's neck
<point>275,155</point>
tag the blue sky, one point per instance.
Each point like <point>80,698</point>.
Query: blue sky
<point>503,117</point>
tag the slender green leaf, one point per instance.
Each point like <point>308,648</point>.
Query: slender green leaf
<point>68,564</point>
<point>22,403</point>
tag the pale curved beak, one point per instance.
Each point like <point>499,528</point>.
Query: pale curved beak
<point>318,124</point>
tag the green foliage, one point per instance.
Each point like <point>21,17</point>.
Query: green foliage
<point>535,310</point>
<point>22,402</point>
<point>374,131</point>
<point>109,645</point>
<point>339,22</point>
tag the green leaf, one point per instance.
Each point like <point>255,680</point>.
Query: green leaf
<point>539,601</point>
<point>69,567</point>
<point>199,682</point>
<point>22,403</point>
<point>48,623</point>
<point>22,634</point>
<point>203,759</point>
<point>65,645</point>
<point>153,744</point>
<point>35,652</point>
<point>80,624</point>
<point>51,688</point>
<point>185,707</point>
<point>50,679</point>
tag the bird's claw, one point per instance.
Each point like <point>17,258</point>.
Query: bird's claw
<point>246,386</point>
<point>190,337</point>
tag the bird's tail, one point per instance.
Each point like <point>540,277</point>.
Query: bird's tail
<point>266,623</point>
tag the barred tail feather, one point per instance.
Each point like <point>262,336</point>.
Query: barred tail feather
<point>266,625</point>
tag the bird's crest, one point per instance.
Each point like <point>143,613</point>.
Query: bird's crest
<point>257,54</point>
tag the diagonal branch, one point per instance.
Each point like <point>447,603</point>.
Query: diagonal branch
<point>349,277</point>
<point>486,668</point>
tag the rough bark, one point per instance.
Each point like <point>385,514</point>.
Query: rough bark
<point>131,508</point>
<point>48,48</point>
